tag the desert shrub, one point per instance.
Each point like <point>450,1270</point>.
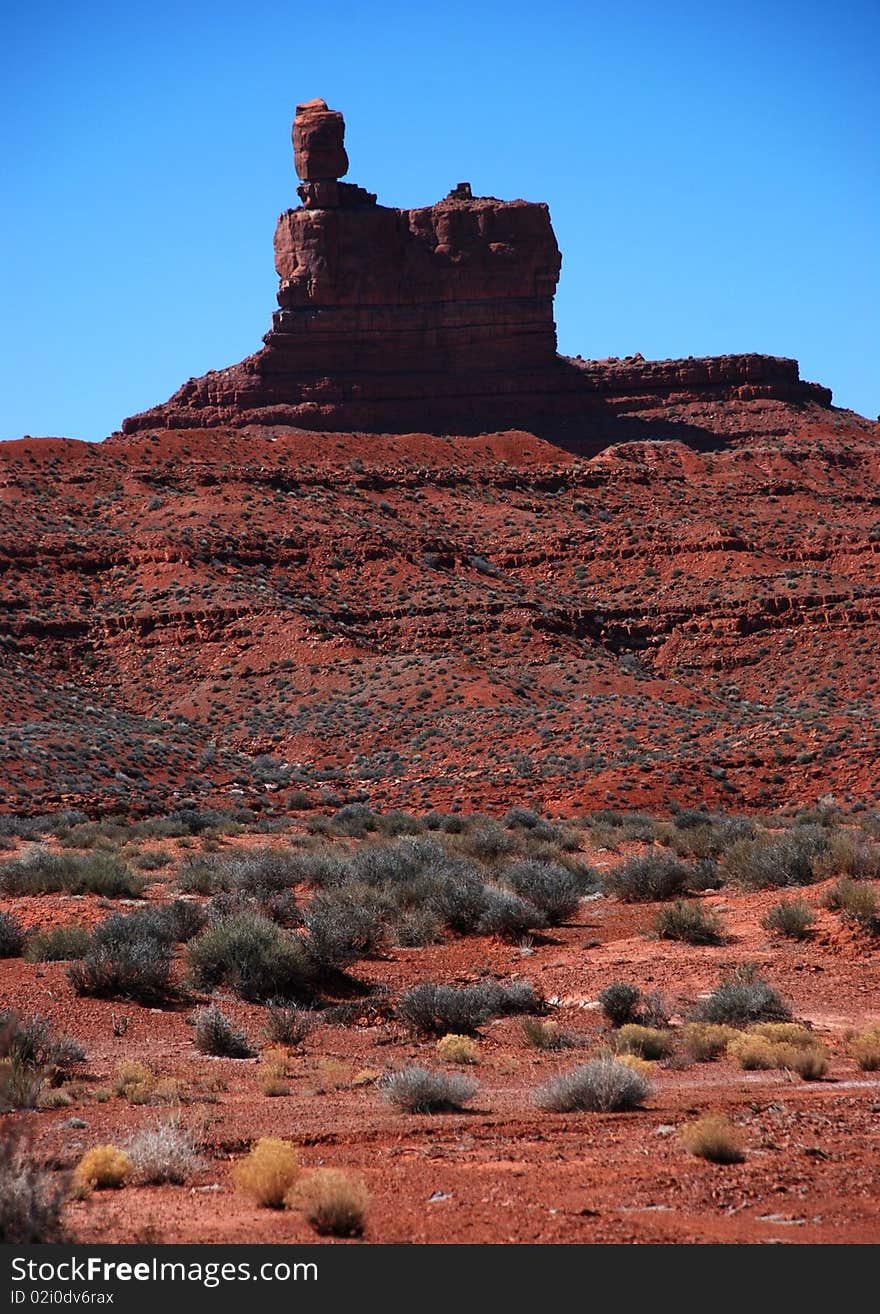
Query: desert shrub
<point>259,873</point>
<point>486,840</point>
<point>792,918</point>
<point>131,964</point>
<point>134,1081</point>
<point>459,899</point>
<point>851,854</point>
<point>522,818</point>
<point>752,1053</point>
<point>396,822</point>
<point>268,1171</point>
<point>416,928</point>
<point>623,825</point>
<point>42,872</point>
<point>780,1046</point>
<point>216,1035</point>
<point>334,1202</point>
<point>742,998</point>
<point>165,1152</point>
<point>620,1002</point>
<point>31,1197</point>
<point>31,1053</point>
<point>252,956</point>
<point>713,1137</point>
<point>688,921</point>
<point>551,888</point>
<point>179,920</point>
<point>417,1090</point>
<point>705,1041</point>
<point>811,1063</point>
<point>601,1085</point>
<point>458,1049</point>
<point>784,1033</point>
<point>651,877</point>
<point>104,1167</point>
<point>864,1047</point>
<point>509,998</point>
<point>697,834</point>
<point>542,1033</point>
<point>772,863</point>
<point>354,820</point>
<point>635,1064</point>
<point>508,916</point>
<point>136,972</point>
<point>151,859</point>
<point>432,1008</point>
<point>855,901</point>
<point>61,944</point>
<point>202,875</point>
<point>345,924</point>
<point>274,1072</point>
<point>286,1024</point>
<point>644,1042</point>
<point>11,937</point>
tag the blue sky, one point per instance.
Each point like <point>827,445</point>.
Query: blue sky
<point>711,171</point>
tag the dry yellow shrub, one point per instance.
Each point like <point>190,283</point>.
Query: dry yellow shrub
<point>268,1171</point>
<point>704,1041</point>
<point>784,1033</point>
<point>102,1167</point>
<point>458,1049</point>
<point>713,1137</point>
<point>334,1202</point>
<point>646,1042</point>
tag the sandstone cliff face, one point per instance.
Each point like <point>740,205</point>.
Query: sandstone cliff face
<point>438,319</point>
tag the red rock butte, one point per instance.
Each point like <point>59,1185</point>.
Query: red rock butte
<point>440,319</point>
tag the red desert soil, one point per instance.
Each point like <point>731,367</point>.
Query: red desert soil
<point>261,613</point>
<point>502,1171</point>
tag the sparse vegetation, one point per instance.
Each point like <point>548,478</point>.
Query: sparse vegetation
<point>705,1041</point>
<point>856,901</point>
<point>61,944</point>
<point>769,862</point>
<point>713,1137</point>
<point>216,1035</point>
<point>864,1047</point>
<point>689,921</point>
<point>417,1090</point>
<point>286,1024</point>
<point>651,877</point>
<point>11,937</point>
<point>458,1049</point>
<point>42,872</point>
<point>105,1167</point>
<point>165,1152</point>
<point>335,1203</point>
<point>644,1042</point>
<point>551,888</point>
<point>793,918</point>
<point>742,998</point>
<point>601,1085</point>
<point>31,1197</point>
<point>252,956</point>
<point>268,1171</point>
<point>435,1009</point>
<point>620,1002</point>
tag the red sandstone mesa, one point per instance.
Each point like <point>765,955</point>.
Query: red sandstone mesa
<point>438,319</point>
